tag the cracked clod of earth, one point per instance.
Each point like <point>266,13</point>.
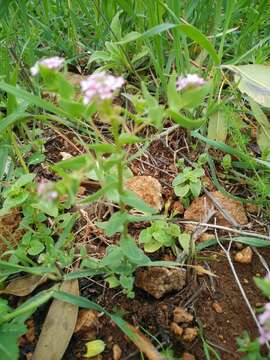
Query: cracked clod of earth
<point>148,189</point>
<point>158,281</point>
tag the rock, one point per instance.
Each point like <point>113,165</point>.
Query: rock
<point>177,208</point>
<point>190,334</point>
<point>199,206</point>
<point>217,307</point>
<point>207,183</point>
<point>117,352</point>
<point>87,324</point>
<point>148,189</point>
<point>176,329</point>
<point>244,256</point>
<point>180,315</point>
<point>252,208</point>
<point>190,228</point>
<point>188,356</point>
<point>158,281</point>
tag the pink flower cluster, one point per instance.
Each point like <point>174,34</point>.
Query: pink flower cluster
<point>189,81</point>
<point>45,190</point>
<point>100,86</point>
<point>264,319</point>
<point>51,63</point>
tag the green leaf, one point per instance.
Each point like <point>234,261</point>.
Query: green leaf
<point>184,241</point>
<point>47,207</point>
<point>184,121</point>
<point>9,337</point>
<point>128,139</point>
<point>73,108</point>
<point>116,26</point>
<point>133,200</point>
<point>195,188</point>
<point>36,248</point>
<point>218,126</point>
<point>263,133</point>
<point>32,99</point>
<point>36,158</point>
<point>75,163</point>
<point>253,80</point>
<point>200,39</point>
<point>250,241</point>
<point>174,98</point>
<point>132,251</point>
<point>152,246</point>
<point>192,98</point>
<point>56,82</point>
<point>181,191</point>
<point>264,285</point>
<point>103,148</point>
<point>115,224</point>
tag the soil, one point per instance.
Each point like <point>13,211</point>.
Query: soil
<point>216,303</point>
<point>155,316</point>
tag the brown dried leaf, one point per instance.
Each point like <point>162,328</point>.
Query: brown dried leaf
<point>58,327</point>
<point>145,345</point>
<point>24,286</point>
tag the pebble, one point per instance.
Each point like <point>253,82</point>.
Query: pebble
<point>176,329</point>
<point>180,315</point>
<point>190,334</point>
<point>158,281</point>
<point>117,352</point>
<point>188,356</point>
<point>217,307</point>
<point>244,256</point>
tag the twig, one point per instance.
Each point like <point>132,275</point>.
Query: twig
<point>225,228</point>
<point>227,253</point>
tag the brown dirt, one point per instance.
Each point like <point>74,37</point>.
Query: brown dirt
<point>155,316</point>
<point>221,323</point>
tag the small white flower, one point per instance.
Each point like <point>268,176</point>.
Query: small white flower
<point>189,81</point>
<point>100,85</point>
<point>51,63</point>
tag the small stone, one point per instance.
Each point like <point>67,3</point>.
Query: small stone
<point>65,155</point>
<point>180,315</point>
<point>206,236</point>
<point>252,208</point>
<point>207,183</point>
<point>87,324</point>
<point>117,352</point>
<point>158,281</point>
<point>148,189</point>
<point>176,329</point>
<point>178,208</point>
<point>258,304</point>
<point>188,356</point>
<point>190,334</point>
<point>199,207</point>
<point>244,256</point>
<point>217,307</point>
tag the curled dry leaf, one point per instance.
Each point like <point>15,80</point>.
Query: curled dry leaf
<point>24,286</point>
<point>145,345</point>
<point>58,326</point>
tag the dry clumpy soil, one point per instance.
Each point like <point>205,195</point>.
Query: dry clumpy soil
<point>218,306</point>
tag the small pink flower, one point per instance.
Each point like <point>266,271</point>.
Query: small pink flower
<point>101,86</point>
<point>51,63</point>
<point>45,190</point>
<point>264,319</point>
<point>189,81</point>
